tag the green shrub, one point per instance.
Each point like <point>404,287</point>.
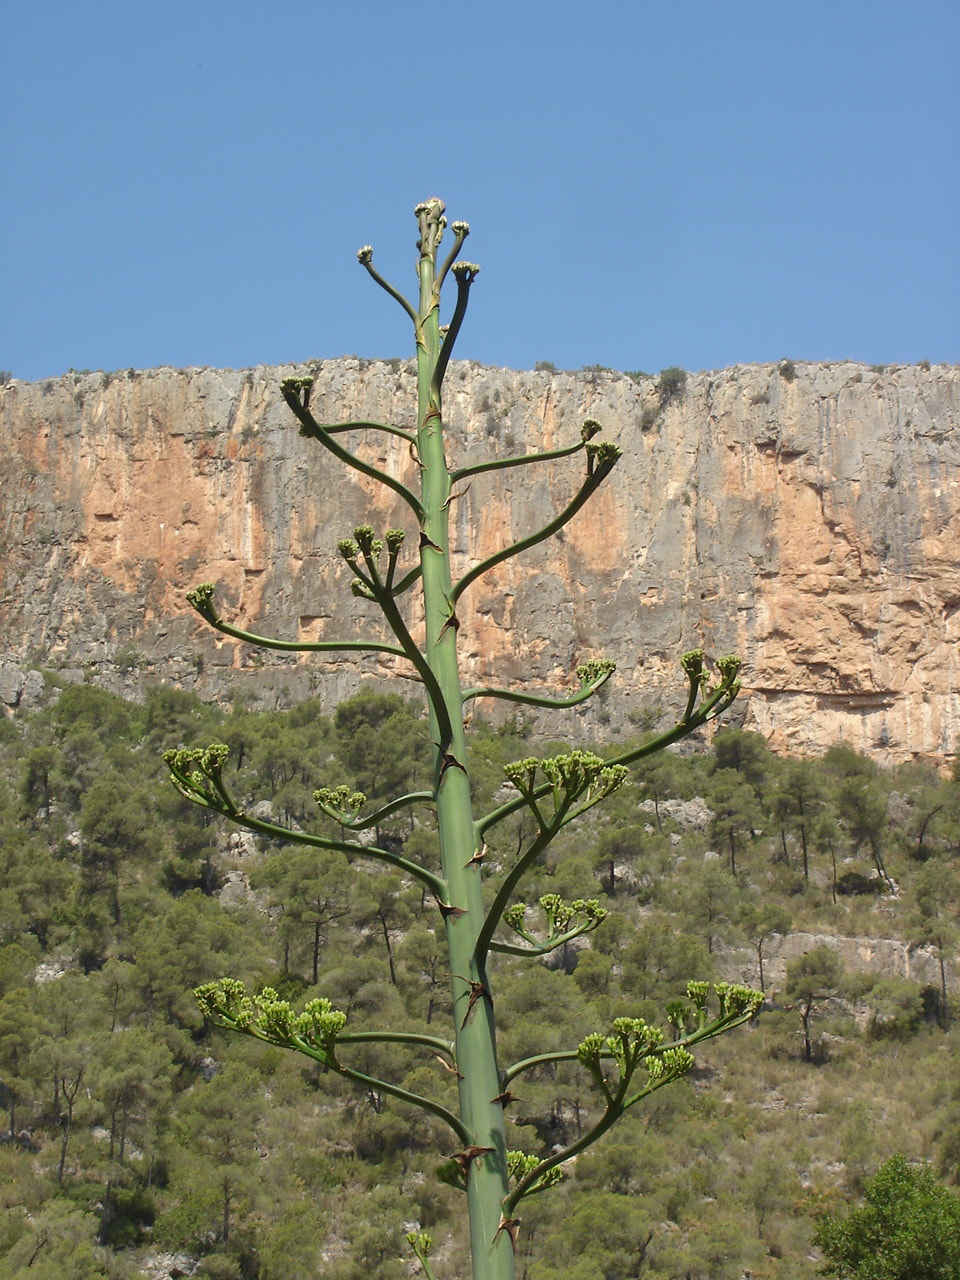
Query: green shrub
<point>896,1008</point>
<point>671,384</point>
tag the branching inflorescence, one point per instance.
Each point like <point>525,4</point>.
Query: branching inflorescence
<point>631,1060</point>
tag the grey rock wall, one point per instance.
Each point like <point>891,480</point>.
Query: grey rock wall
<point>811,525</point>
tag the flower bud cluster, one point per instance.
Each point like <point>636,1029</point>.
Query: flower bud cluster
<point>679,1013</point>
<point>589,1050</point>
<point>561,914</point>
<point>364,542</point>
<point>601,457</point>
<point>698,992</point>
<point>573,771</point>
<point>465,272</point>
<point>268,1017</point>
<point>737,1001</point>
<point>194,766</point>
<point>519,1164</point>
<point>728,668</point>
<point>365,255</point>
<point>421,1242</point>
<point>591,673</point>
<point>590,428</point>
<point>224,999</point>
<point>368,544</point>
<point>340,802</point>
<point>522,772</point>
<point>201,598</point>
<point>632,1039</point>
<point>692,663</point>
<point>434,205</point>
<point>574,775</point>
<point>320,1022</point>
<point>292,385</point>
<point>668,1065</point>
<point>577,773</point>
<point>298,389</point>
<point>514,915</point>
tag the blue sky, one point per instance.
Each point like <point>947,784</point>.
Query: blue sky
<point>649,184</point>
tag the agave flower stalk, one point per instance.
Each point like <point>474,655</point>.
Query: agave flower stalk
<point>555,792</point>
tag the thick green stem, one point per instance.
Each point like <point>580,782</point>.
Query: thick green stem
<point>480,1108</point>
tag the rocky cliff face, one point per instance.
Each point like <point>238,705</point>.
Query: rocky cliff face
<point>811,524</point>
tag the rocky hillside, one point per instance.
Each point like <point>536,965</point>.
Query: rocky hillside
<point>807,517</point>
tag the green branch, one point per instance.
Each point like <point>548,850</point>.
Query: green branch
<point>421,1242</point>
<point>505,893</point>
<point>466,273</point>
<point>569,777</point>
<point>201,598</point>
<point>365,258</point>
<point>404,1095</point>
<point>290,388</point>
<point>633,1043</point>
<point>368,546</point>
<point>738,1004</point>
<point>540,948</point>
<point>406,582</point>
<point>353,848</point>
<point>344,806</point>
<point>615,1108</point>
<point>337,428</point>
<point>196,773</point>
<point>516,460</point>
<point>593,676</point>
<point>315,1033</point>
<point>612,1112</point>
<point>594,478</point>
<point>559,915</point>
<point>718,698</point>
<point>460,232</point>
<point>414,1038</point>
<point>590,428</point>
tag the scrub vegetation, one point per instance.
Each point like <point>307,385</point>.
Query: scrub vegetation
<point>139,1128</point>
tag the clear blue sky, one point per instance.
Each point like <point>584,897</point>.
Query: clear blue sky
<point>671,182</point>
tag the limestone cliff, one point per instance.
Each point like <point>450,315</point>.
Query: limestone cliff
<point>810,523</point>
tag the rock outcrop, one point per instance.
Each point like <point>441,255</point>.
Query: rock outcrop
<point>810,522</point>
